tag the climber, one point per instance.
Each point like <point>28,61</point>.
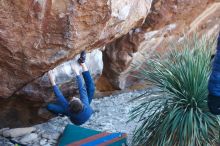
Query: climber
<point>78,110</point>
<point>214,83</point>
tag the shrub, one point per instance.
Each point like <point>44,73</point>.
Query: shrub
<point>178,115</point>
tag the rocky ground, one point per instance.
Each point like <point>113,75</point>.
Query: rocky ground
<point>111,114</point>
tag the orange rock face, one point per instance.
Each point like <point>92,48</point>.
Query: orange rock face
<point>37,35</point>
<point>167,22</point>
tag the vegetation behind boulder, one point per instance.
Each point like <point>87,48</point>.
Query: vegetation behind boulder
<point>179,115</point>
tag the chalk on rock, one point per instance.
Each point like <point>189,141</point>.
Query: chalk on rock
<point>29,138</point>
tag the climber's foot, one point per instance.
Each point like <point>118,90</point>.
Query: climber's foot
<point>82,57</point>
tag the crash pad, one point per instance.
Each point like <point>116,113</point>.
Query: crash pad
<point>78,136</point>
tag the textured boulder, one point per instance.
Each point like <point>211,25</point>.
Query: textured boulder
<point>118,56</point>
<point>167,22</point>
<point>37,35</point>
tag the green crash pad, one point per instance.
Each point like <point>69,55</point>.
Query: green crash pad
<point>78,136</point>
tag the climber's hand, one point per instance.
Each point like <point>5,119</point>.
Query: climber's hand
<point>51,77</point>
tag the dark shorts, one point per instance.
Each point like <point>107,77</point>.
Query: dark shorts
<point>214,104</point>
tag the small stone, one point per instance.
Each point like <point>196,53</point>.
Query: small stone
<point>52,141</point>
<point>47,136</point>
<point>35,144</point>
<point>5,142</point>
<point>2,130</point>
<point>55,136</point>
<point>29,138</point>
<point>6,133</point>
<point>38,130</point>
<point>47,144</point>
<point>43,142</point>
<point>16,138</point>
<point>37,139</point>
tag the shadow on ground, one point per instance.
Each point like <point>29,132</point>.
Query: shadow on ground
<point>18,112</point>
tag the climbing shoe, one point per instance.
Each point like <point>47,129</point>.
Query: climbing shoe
<point>82,57</point>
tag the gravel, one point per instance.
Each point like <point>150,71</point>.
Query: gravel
<point>110,114</point>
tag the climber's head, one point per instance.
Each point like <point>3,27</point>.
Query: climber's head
<point>75,105</point>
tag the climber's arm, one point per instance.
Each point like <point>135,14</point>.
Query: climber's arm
<point>61,99</point>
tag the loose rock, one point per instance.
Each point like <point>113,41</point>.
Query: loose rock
<point>5,142</point>
<point>29,138</point>
<point>2,130</point>
<point>18,132</point>
<point>111,115</point>
<point>43,142</point>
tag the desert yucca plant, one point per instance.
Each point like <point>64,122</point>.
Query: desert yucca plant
<point>178,115</point>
